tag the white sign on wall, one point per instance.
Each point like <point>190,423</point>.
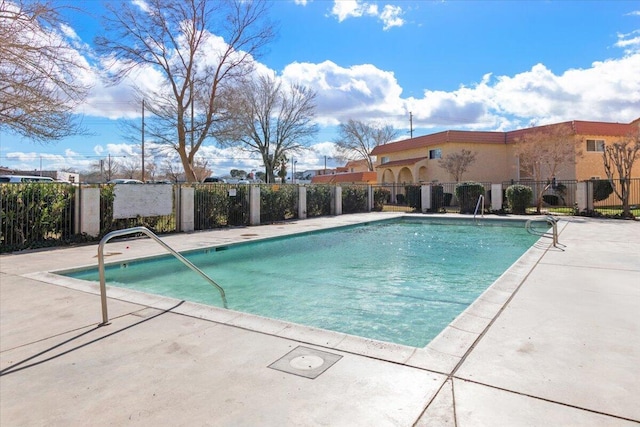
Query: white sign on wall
<point>132,200</point>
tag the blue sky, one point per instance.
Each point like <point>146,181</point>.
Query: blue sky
<point>477,65</point>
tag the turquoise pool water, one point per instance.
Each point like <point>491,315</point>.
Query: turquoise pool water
<point>400,281</point>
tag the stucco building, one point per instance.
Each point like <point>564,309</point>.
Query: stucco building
<point>415,160</point>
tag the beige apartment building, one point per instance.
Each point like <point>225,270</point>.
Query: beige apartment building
<point>415,160</point>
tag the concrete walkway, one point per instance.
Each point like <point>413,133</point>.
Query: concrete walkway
<point>556,341</point>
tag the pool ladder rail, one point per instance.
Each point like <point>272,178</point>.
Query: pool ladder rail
<point>148,233</point>
<point>553,222</point>
<point>479,206</point>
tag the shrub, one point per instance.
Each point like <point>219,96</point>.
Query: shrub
<point>414,196</point>
<point>401,199</point>
<point>211,207</point>
<point>36,215</point>
<point>468,194</point>
<point>519,197</point>
<point>318,200</point>
<point>602,189</point>
<point>278,202</point>
<point>447,199</point>
<point>551,199</point>
<point>437,198</point>
<point>354,199</point>
<point>381,196</point>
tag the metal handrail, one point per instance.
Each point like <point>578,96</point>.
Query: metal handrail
<point>554,227</point>
<point>479,205</point>
<point>149,233</point>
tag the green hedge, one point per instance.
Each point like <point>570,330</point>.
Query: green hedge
<point>602,189</point>
<point>318,200</point>
<point>437,198</point>
<point>414,196</point>
<point>381,197</point>
<point>278,202</point>
<point>519,197</point>
<point>215,208</point>
<point>468,194</point>
<point>36,215</point>
<point>354,199</point>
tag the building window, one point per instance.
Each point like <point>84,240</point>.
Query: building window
<point>435,154</point>
<point>596,145</point>
<point>384,160</point>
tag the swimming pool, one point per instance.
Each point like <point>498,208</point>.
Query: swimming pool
<point>398,281</point>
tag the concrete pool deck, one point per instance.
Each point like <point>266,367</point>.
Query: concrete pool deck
<point>562,347</point>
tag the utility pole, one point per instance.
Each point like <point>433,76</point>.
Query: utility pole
<point>411,123</point>
<point>192,114</point>
<point>143,140</point>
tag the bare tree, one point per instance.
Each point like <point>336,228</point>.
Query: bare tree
<point>201,168</point>
<point>457,163</point>
<point>181,40</point>
<point>170,170</point>
<point>151,170</point>
<point>130,168</point>
<point>357,139</point>
<point>543,151</point>
<point>271,120</point>
<point>40,71</point>
<point>618,162</point>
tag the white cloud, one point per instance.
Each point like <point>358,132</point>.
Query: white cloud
<point>343,93</point>
<point>390,15</point>
<point>607,91</point>
<point>142,5</point>
<point>630,42</point>
<point>301,2</point>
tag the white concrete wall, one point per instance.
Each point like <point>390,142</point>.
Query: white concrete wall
<point>337,201</point>
<point>254,205</point>
<point>425,196</point>
<point>132,200</point>
<point>90,211</point>
<point>584,196</point>
<point>496,197</point>
<point>302,202</point>
<point>187,212</point>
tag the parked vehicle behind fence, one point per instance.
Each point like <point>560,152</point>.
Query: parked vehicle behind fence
<point>25,178</point>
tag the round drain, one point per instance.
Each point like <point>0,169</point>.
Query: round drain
<point>306,363</point>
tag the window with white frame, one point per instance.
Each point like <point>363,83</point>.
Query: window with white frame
<point>596,145</point>
<point>436,153</point>
<point>384,160</point>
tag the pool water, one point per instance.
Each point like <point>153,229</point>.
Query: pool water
<point>401,281</point>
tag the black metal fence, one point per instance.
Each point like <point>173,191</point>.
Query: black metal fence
<point>319,198</point>
<point>278,202</point>
<point>35,215</point>
<point>355,198</point>
<point>556,197</point>
<point>220,205</point>
<point>396,198</point>
<point>607,196</point>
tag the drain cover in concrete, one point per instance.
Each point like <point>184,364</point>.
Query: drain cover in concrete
<point>305,362</point>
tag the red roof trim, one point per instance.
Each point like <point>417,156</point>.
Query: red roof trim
<point>403,162</point>
<point>481,137</point>
<point>345,177</point>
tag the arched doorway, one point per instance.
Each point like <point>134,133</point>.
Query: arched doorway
<point>387,177</point>
<point>405,176</point>
<point>422,174</point>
